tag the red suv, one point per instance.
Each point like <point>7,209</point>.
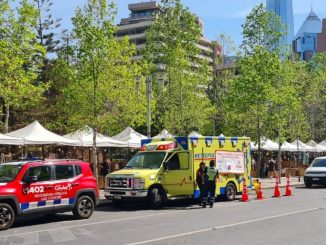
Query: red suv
<point>46,187</point>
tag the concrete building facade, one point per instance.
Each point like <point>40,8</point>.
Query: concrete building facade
<point>143,15</point>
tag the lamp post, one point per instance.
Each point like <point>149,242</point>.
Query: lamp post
<point>279,155</point>
<point>149,100</point>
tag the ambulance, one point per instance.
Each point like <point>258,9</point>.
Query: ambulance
<point>165,169</point>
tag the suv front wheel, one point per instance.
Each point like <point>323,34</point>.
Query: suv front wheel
<point>84,207</point>
<point>7,216</point>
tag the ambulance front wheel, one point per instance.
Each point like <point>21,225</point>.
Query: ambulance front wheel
<point>156,197</point>
<point>7,216</point>
<point>230,192</point>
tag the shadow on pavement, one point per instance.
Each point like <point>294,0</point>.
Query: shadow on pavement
<point>42,219</point>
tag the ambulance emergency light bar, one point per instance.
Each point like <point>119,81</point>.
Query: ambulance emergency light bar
<point>162,147</point>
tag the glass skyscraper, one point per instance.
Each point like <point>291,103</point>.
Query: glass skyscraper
<point>284,9</point>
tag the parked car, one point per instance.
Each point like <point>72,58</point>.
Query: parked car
<point>316,173</point>
<point>45,187</point>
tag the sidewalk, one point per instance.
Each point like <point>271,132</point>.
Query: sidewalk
<point>270,183</point>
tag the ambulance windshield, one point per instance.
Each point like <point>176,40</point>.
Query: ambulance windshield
<point>9,172</point>
<point>151,160</point>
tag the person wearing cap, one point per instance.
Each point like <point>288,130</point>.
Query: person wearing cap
<point>211,175</point>
<point>200,176</point>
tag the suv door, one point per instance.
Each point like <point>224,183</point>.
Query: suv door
<point>66,184</point>
<point>178,179</point>
<point>38,195</point>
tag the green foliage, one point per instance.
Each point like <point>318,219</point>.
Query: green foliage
<point>181,104</point>
<point>100,89</point>
<point>264,29</point>
<point>46,26</point>
<point>19,87</point>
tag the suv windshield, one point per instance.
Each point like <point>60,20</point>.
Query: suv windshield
<point>9,172</point>
<point>152,160</point>
<point>319,163</point>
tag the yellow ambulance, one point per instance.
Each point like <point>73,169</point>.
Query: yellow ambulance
<point>165,169</point>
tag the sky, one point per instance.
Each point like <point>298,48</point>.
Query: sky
<point>218,15</point>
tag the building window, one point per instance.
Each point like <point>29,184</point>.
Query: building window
<point>303,40</point>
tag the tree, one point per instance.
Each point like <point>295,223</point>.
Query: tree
<point>181,102</point>
<point>264,99</point>
<point>46,26</point>
<point>314,96</point>
<point>101,91</point>
<point>263,29</point>
<point>19,87</point>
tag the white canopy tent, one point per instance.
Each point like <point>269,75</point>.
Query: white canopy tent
<point>323,142</point>
<point>130,137</point>
<point>164,134</point>
<point>317,147</point>
<point>84,137</point>
<point>36,134</point>
<point>302,147</point>
<point>266,144</point>
<point>7,140</point>
<point>286,146</point>
<point>194,134</point>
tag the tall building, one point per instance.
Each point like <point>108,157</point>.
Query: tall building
<point>306,41</point>
<point>321,40</point>
<point>143,15</point>
<point>283,9</point>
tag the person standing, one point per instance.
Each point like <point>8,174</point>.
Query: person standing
<point>211,175</point>
<point>200,175</point>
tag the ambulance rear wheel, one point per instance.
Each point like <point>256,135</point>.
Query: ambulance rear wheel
<point>7,216</point>
<point>156,198</point>
<point>230,192</point>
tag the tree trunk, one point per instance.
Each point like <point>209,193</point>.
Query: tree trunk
<point>259,149</point>
<point>95,154</point>
<point>6,129</point>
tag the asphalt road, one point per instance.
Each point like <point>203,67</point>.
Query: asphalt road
<point>299,219</point>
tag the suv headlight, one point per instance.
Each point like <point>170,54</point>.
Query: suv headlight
<point>138,184</point>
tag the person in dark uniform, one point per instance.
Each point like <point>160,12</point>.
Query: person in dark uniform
<point>211,174</point>
<point>200,175</point>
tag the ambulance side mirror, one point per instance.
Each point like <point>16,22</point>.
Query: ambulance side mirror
<point>31,179</point>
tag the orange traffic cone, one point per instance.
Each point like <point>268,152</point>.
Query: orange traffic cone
<point>244,197</point>
<point>277,192</point>
<point>288,191</point>
<point>260,194</point>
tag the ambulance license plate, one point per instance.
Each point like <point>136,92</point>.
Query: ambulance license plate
<point>315,179</point>
<point>117,196</point>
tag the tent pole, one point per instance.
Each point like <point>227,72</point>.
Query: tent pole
<point>43,153</point>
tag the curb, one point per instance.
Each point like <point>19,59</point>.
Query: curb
<point>292,185</point>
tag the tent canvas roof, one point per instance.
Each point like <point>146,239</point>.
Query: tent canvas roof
<point>163,134</point>
<point>36,134</point>
<point>302,146</point>
<point>131,137</point>
<point>8,140</point>
<point>84,137</point>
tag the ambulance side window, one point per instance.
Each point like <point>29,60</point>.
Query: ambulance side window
<point>174,163</point>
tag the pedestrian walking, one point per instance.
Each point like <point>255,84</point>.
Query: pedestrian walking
<point>211,175</point>
<point>200,177</point>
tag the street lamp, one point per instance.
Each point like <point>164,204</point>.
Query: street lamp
<point>279,155</point>
<point>149,100</point>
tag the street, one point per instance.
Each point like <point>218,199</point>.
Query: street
<point>271,221</point>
